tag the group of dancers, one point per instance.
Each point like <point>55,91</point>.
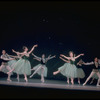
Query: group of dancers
<point>70,70</point>
<point>21,65</point>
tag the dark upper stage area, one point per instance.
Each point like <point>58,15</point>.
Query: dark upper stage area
<point>66,25</point>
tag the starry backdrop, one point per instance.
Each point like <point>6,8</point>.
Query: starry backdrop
<point>57,27</point>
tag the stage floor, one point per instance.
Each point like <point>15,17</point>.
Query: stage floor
<point>48,84</point>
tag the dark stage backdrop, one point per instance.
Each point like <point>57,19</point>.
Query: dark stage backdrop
<point>57,27</point>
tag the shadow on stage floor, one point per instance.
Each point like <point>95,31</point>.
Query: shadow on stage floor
<point>50,89</point>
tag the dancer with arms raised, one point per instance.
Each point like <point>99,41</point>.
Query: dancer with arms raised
<point>23,65</point>
<point>41,68</point>
<point>69,69</point>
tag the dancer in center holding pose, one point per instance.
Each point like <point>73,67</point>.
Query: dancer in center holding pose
<point>69,69</point>
<point>23,65</point>
<point>41,69</point>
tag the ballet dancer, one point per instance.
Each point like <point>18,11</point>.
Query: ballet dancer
<point>12,64</point>
<point>41,69</point>
<point>94,77</point>
<point>63,68</point>
<point>69,69</point>
<point>95,70</point>
<point>23,65</point>
<point>80,72</point>
<point>7,61</point>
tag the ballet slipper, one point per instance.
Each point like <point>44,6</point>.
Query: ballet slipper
<point>9,80</point>
<point>79,82</point>
<point>26,79</point>
<point>91,82</point>
<point>84,84</point>
<point>72,82</point>
<point>18,79</point>
<point>30,76</point>
<point>68,82</point>
<point>42,80</point>
<point>97,85</point>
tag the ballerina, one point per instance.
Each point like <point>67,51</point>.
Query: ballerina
<point>69,69</point>
<point>94,77</point>
<point>41,69</point>
<point>7,61</point>
<point>23,65</point>
<point>95,70</point>
<point>15,61</point>
<point>63,68</point>
<point>80,72</point>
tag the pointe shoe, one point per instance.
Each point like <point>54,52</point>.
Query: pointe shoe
<point>78,82</point>
<point>84,84</point>
<point>26,79</point>
<point>91,82</point>
<point>30,77</point>
<point>18,79</point>
<point>72,82</point>
<point>97,85</point>
<point>68,82</point>
<point>9,80</point>
<point>42,80</point>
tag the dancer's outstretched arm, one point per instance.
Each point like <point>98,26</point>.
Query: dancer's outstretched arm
<point>65,56</point>
<point>88,63</point>
<point>19,53</point>
<point>64,60</point>
<point>79,56</point>
<point>16,52</point>
<point>8,59</point>
<point>14,56</point>
<point>32,48</point>
<point>50,57</point>
<point>37,58</point>
<point>80,62</point>
<point>23,52</point>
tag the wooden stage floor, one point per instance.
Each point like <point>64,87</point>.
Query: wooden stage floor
<point>48,84</point>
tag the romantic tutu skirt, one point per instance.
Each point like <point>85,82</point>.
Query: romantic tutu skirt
<point>68,70</point>
<point>11,63</point>
<point>80,73</point>
<point>39,72</point>
<point>4,70</point>
<point>22,66</point>
<point>95,75</point>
